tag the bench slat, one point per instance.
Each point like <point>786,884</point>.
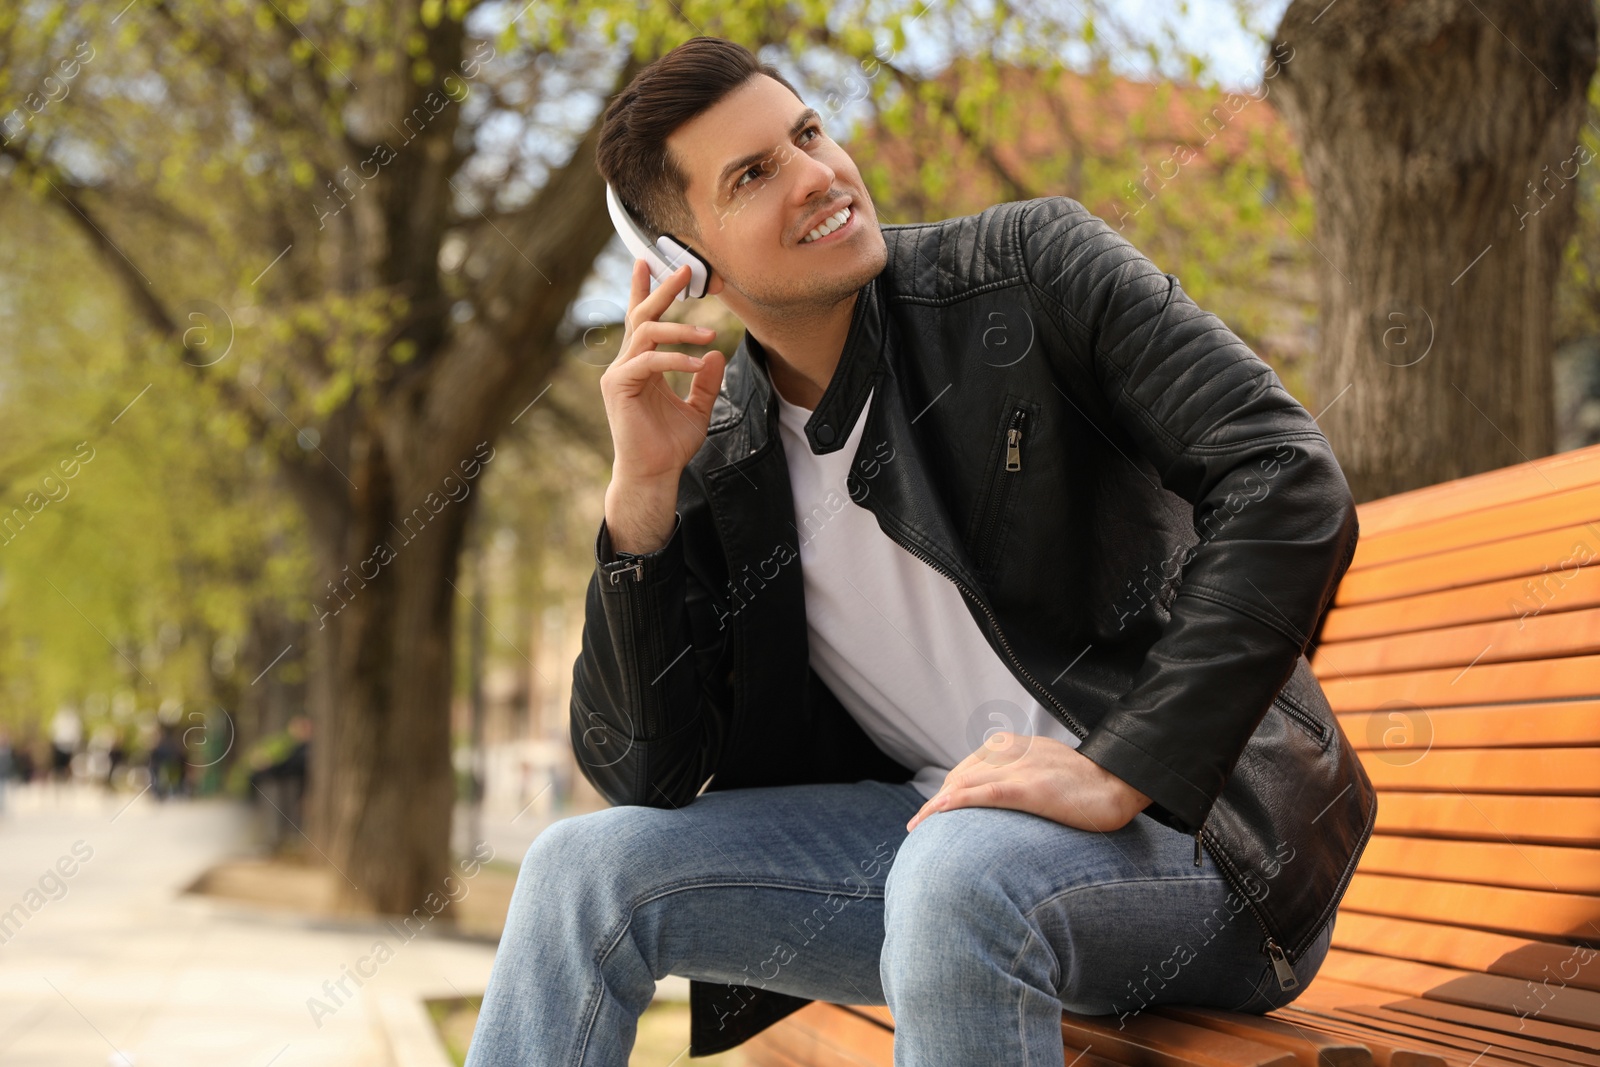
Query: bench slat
<point>1152,1041</point>
<point>878,1013</point>
<point>1541,867</point>
<point>1558,964</point>
<point>1480,492</point>
<point>1470,1040</point>
<point>1574,1039</point>
<point>767,1050</point>
<point>1535,515</point>
<point>1540,962</point>
<point>1486,683</point>
<point>1562,550</point>
<point>1504,1035</point>
<point>1571,507</point>
<point>1526,912</point>
<point>1426,942</point>
<point>1405,977</point>
<point>1492,817</point>
<point>1327,992</point>
<point>1310,1048</point>
<point>1391,1046</point>
<point>1568,1005</point>
<point>1567,722</point>
<point>1523,771</point>
<point>1537,637</point>
<point>1458,1046</point>
<point>824,1035</point>
<point>1502,598</point>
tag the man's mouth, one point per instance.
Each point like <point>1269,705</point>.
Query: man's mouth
<point>832,226</point>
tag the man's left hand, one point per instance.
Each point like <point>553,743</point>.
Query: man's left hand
<point>1039,775</point>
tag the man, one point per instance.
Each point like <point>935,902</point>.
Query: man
<point>995,471</point>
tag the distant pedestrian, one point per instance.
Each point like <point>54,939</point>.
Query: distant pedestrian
<point>66,734</point>
<point>166,765</point>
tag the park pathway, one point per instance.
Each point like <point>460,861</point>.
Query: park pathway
<point>105,961</point>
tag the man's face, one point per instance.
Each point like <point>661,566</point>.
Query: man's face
<point>762,175</point>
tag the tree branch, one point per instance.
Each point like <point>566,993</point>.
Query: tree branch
<point>269,107</point>
<point>147,305</point>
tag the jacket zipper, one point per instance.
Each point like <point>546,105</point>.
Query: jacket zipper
<point>1311,724</point>
<point>1066,716</point>
<point>1274,951</point>
<point>641,637</point>
<point>1280,964</point>
<point>1014,441</point>
<point>992,507</point>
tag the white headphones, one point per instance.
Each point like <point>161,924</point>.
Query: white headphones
<point>665,256</point>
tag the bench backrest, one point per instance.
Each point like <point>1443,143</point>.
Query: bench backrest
<point>1462,656</point>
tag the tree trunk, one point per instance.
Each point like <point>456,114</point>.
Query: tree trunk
<point>382,642</point>
<point>1439,139</point>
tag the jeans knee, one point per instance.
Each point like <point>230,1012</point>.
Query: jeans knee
<point>938,877</point>
<point>942,910</point>
<point>574,855</point>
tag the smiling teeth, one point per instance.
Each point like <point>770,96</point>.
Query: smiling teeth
<point>833,222</point>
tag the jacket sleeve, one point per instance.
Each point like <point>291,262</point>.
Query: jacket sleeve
<point>639,726</point>
<point>1274,515</point>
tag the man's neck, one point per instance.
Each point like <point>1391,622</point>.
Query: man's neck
<point>803,351</point>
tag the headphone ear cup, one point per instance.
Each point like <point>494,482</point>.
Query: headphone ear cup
<point>677,254</point>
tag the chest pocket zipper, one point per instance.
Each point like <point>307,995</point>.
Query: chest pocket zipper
<point>1002,483</point>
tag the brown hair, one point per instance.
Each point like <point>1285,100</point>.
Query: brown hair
<point>632,155</point>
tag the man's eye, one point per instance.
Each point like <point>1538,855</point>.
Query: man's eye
<point>769,169</point>
<point>765,169</point>
<point>757,170</point>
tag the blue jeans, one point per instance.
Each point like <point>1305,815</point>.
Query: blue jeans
<point>976,929</point>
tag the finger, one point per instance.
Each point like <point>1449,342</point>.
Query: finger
<point>976,777</point>
<point>943,800</point>
<point>652,362</point>
<point>655,303</point>
<point>939,799</point>
<point>659,332</point>
<point>641,283</point>
<point>707,383</point>
<point>648,335</point>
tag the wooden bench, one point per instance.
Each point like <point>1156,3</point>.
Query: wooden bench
<point>1462,656</point>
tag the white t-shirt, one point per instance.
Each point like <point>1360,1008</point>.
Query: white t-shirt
<point>890,636</point>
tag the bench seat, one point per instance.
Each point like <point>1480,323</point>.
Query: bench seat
<point>1462,658</point>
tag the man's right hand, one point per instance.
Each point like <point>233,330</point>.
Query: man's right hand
<point>654,433</point>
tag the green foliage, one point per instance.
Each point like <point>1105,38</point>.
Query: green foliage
<point>262,753</point>
<point>1578,294</point>
<point>161,543</point>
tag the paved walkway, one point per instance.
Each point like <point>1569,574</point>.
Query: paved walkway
<point>103,961</point>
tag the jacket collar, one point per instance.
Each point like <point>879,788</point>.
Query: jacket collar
<point>906,490</point>
<point>859,366</point>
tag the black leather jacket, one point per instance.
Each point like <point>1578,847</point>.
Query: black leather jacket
<point>1145,524</point>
